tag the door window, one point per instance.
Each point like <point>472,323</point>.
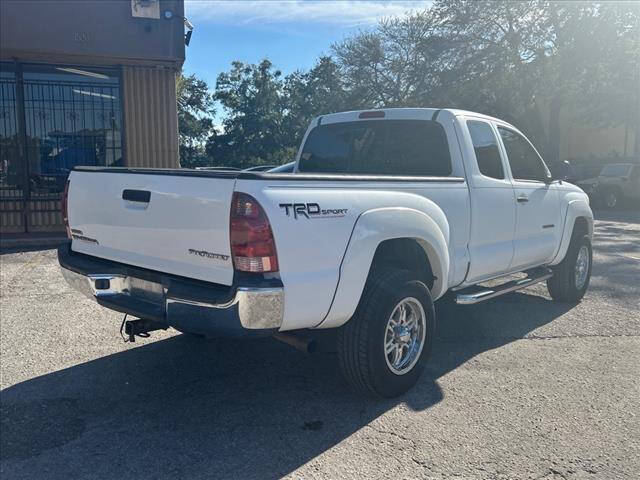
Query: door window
<point>486,147</point>
<point>524,161</point>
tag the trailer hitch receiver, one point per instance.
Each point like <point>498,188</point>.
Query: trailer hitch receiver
<point>130,329</point>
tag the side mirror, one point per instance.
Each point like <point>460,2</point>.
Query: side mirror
<point>561,170</point>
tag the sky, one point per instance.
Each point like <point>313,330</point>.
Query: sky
<point>292,34</point>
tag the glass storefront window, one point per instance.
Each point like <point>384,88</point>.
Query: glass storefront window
<point>72,118</point>
<point>11,178</point>
<point>59,116</point>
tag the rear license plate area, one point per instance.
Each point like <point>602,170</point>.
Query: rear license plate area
<point>148,291</point>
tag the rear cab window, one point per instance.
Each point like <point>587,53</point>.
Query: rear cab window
<point>378,147</point>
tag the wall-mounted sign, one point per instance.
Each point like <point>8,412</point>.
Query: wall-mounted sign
<point>81,37</point>
<point>145,8</point>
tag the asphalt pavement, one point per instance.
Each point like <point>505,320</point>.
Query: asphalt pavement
<point>517,387</point>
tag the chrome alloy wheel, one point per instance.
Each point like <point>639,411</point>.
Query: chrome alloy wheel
<point>610,199</point>
<point>405,335</point>
<point>582,267</point>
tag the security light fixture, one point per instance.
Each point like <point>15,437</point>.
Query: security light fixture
<point>93,94</point>
<point>189,26</point>
<point>77,71</point>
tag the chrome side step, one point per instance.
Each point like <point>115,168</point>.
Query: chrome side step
<point>534,276</point>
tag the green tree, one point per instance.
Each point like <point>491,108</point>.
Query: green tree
<point>493,63</point>
<point>253,127</point>
<point>529,62</point>
<point>535,58</point>
<point>610,83</point>
<point>307,95</point>
<point>524,61</point>
<point>396,64</point>
<point>195,124</point>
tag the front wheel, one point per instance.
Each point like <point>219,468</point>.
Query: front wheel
<point>384,347</point>
<point>571,276</point>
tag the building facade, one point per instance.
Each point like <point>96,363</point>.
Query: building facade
<point>83,83</point>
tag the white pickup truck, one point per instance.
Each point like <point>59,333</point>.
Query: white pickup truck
<point>385,212</point>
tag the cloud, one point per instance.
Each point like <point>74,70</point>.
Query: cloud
<point>345,12</point>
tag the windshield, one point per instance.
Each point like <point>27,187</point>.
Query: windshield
<point>615,171</point>
<point>378,147</point>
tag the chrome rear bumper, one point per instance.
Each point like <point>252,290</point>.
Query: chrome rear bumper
<point>245,308</point>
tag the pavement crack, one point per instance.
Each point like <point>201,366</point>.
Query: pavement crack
<point>421,463</point>
<point>392,434</point>
<point>538,337</point>
<point>586,335</point>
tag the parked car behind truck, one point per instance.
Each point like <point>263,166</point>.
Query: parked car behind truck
<point>616,184</point>
<point>384,213</point>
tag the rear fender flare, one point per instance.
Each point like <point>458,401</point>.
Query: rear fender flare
<point>374,227</point>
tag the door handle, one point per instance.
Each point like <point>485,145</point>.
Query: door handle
<point>522,199</point>
<point>142,196</point>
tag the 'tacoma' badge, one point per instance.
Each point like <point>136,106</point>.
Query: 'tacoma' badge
<point>204,253</point>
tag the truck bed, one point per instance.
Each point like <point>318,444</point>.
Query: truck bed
<point>184,227</point>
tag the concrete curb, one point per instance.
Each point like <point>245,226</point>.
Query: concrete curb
<point>29,242</point>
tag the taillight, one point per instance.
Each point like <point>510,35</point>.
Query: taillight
<point>252,245</point>
<point>65,208</point>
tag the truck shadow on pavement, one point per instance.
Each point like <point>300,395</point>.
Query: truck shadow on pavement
<point>184,407</point>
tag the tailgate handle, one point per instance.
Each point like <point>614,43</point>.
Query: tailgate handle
<point>142,196</point>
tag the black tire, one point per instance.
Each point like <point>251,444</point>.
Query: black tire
<point>361,341</point>
<point>563,286</point>
<point>611,198</point>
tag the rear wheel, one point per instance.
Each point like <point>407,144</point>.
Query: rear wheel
<point>384,347</point>
<point>611,198</point>
<point>571,276</point>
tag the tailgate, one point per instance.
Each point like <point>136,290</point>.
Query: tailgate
<point>169,223</point>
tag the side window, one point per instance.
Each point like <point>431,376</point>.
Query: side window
<point>486,147</point>
<point>523,159</point>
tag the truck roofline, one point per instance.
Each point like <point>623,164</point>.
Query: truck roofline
<point>399,113</point>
